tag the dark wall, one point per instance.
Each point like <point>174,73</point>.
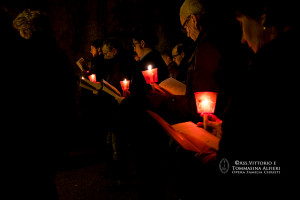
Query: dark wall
<point>78,22</point>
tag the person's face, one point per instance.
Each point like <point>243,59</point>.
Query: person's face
<point>252,32</point>
<point>177,58</point>
<point>189,24</point>
<point>93,51</point>
<point>26,34</point>
<point>137,48</point>
<point>107,53</point>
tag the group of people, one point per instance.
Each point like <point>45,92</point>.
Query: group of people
<point>254,91</point>
<point>247,82</point>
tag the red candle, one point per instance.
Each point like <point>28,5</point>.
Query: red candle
<point>150,75</point>
<point>92,78</point>
<point>125,84</point>
<point>206,103</point>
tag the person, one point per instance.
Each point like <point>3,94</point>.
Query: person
<point>119,64</point>
<point>172,66</point>
<point>180,57</point>
<point>206,62</point>
<point>46,106</point>
<point>88,103</point>
<point>204,74</point>
<point>253,125</point>
<point>95,48</point>
<point>9,103</point>
<point>97,61</point>
<point>138,129</point>
<point>250,128</point>
<point>178,53</point>
<point>144,42</point>
<point>204,67</point>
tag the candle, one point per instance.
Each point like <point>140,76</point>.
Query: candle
<point>125,84</point>
<point>150,75</point>
<point>205,103</point>
<point>92,78</point>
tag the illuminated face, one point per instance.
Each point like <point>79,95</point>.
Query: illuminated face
<point>137,48</point>
<point>107,53</point>
<point>94,51</point>
<point>252,32</point>
<point>26,34</point>
<point>189,24</point>
<point>177,58</point>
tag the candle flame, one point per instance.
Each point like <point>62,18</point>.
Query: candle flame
<point>205,102</point>
<point>125,80</point>
<point>149,67</point>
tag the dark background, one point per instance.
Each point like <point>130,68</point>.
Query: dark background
<point>78,22</point>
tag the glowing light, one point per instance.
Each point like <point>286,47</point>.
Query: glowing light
<point>125,84</point>
<point>205,102</point>
<point>150,75</point>
<point>92,78</point>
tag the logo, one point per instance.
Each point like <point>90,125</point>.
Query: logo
<point>224,166</point>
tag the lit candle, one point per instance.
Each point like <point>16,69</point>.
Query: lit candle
<point>92,78</point>
<point>150,75</point>
<point>125,84</point>
<point>206,103</point>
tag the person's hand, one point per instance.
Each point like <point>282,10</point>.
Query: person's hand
<point>214,125</point>
<point>126,93</point>
<point>120,99</point>
<point>95,92</point>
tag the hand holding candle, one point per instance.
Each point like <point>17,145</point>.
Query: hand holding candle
<point>206,103</point>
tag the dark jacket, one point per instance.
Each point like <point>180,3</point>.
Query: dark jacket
<point>256,126</point>
<point>43,107</point>
<point>98,67</point>
<point>118,68</point>
<point>139,86</point>
<point>201,76</point>
<point>154,58</point>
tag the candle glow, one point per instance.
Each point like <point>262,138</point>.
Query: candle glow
<point>150,75</point>
<point>205,102</point>
<point>125,84</point>
<point>92,78</point>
